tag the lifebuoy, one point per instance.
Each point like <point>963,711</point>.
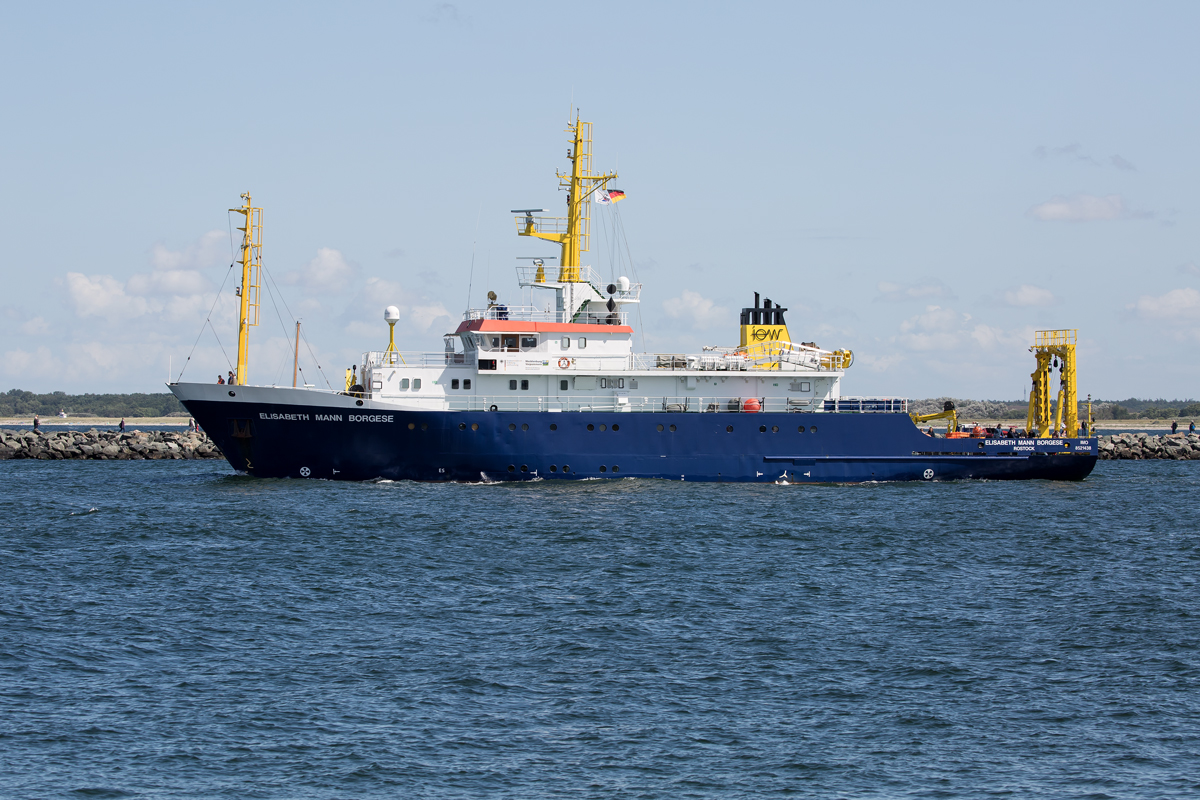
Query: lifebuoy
<point>564,362</point>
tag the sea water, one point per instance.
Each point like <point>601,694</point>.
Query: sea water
<point>171,629</point>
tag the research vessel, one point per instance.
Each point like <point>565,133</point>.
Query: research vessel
<point>556,391</point>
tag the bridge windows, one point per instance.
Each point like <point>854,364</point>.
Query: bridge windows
<point>565,344</point>
<point>529,342</point>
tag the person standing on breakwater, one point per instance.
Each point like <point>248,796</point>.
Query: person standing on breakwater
<point>37,423</point>
<point>1174,426</point>
<point>122,426</point>
<point>1192,427</point>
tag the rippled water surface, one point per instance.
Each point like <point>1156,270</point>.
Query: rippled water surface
<point>169,629</point>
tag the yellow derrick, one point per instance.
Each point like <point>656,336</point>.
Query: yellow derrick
<point>248,291</point>
<point>1051,348</point>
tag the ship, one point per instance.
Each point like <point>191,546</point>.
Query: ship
<point>557,391</point>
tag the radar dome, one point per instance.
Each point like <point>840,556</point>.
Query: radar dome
<point>391,315</point>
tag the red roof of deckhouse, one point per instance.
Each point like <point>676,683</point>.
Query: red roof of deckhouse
<point>520,326</point>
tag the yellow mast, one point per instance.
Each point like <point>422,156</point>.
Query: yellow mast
<point>573,231</point>
<point>249,289</point>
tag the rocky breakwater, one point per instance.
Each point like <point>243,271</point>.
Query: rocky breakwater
<point>1177,446</point>
<point>106,445</point>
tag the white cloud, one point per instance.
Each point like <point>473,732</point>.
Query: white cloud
<point>695,310</point>
<point>35,327</point>
<point>1027,295</point>
<point>990,338</point>
<point>1176,304</point>
<point>936,329</point>
<point>327,272</point>
<point>211,250</point>
<point>1085,208</point>
<point>104,296</point>
<point>171,281</point>
<point>901,292</point>
<point>418,313</point>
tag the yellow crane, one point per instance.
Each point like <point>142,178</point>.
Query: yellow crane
<point>947,412</point>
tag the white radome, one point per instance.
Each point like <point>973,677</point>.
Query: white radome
<point>391,314</point>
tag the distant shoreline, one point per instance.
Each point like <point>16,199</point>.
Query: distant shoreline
<point>99,422</point>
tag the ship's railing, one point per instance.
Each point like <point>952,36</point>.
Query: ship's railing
<point>535,314</point>
<point>516,401</point>
<point>430,359</point>
<point>532,275</point>
<point>733,360</point>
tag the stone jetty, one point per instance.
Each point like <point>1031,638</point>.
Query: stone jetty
<point>1175,446</point>
<point>106,445</point>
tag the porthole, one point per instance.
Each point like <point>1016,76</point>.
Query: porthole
<point>774,429</point>
<point>616,427</point>
<point>616,468</point>
<point>424,426</point>
<point>512,426</point>
<point>554,467</point>
<point>800,429</point>
<point>512,468</point>
<point>462,426</point>
<point>412,426</point>
<point>566,468</point>
<point>729,429</point>
<point>524,426</point>
<point>234,394</point>
<point>813,429</point>
<point>591,427</point>
<point>358,402</point>
<point>553,426</point>
<point>762,428</point>
<point>672,429</point>
<point>474,426</point>
<point>603,469</point>
<point>524,468</point>
<point>603,427</point>
<point>660,428</point>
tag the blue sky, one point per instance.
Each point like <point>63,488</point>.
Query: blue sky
<point>925,183</point>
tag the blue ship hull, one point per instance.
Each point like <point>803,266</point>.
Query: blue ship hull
<point>270,440</point>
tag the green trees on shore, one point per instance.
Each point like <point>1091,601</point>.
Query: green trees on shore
<point>19,403</point>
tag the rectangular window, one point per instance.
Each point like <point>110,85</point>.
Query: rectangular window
<point>566,343</point>
<point>376,385</point>
<point>454,383</point>
<point>620,383</point>
<point>467,383</point>
<point>633,383</point>
<point>805,386</point>
<point>487,363</point>
<point>562,385</point>
<point>528,342</point>
<point>510,343</point>
<point>495,342</point>
<point>524,386</point>
<point>416,383</point>
<point>582,342</point>
<point>404,383</point>
<point>604,383</point>
<point>512,385</point>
